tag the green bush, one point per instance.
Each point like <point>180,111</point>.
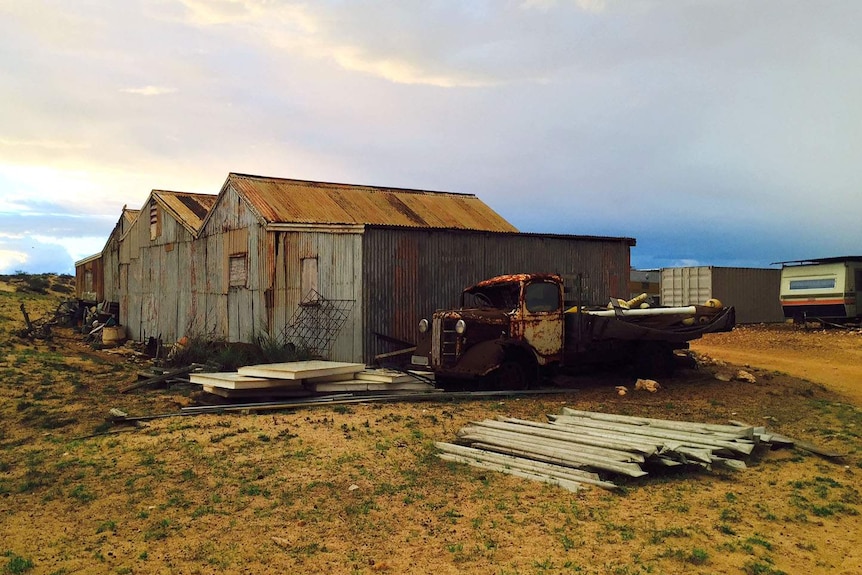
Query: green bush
<point>17,564</point>
<point>229,356</point>
<point>37,284</point>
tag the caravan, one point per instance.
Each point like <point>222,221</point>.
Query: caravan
<point>827,288</point>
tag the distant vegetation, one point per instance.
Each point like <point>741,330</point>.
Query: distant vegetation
<point>40,283</point>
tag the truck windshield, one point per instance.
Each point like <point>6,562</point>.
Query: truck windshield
<point>542,296</point>
<point>500,297</point>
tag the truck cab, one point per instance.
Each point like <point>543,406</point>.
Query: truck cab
<point>505,329</point>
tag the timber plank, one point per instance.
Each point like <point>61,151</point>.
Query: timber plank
<point>233,380</point>
<point>385,376</point>
<point>364,385</point>
<point>256,393</point>
<point>301,369</point>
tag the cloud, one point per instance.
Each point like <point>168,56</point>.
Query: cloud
<point>447,45</point>
<point>593,6</point>
<point>219,12</point>
<point>11,260</point>
<point>30,255</point>
<point>665,121</point>
<point>44,144</point>
<point>57,225</point>
<point>401,71</point>
<point>149,91</point>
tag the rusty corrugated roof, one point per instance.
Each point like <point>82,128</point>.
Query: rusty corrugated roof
<point>278,200</point>
<point>188,209</point>
<point>130,215</point>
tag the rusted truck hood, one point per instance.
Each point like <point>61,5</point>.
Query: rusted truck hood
<point>483,314</point>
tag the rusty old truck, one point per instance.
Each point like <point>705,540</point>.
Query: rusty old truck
<point>510,330</point>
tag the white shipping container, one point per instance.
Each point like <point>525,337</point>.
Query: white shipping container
<point>754,292</point>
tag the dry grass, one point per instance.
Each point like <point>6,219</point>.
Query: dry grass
<point>358,490</point>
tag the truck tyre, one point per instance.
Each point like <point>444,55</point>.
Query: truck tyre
<point>517,372</point>
<point>654,359</point>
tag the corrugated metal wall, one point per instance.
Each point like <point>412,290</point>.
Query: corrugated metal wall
<point>111,265</point>
<point>237,313</point>
<point>339,264</point>
<point>158,292</point>
<point>754,292</point>
<point>112,259</point>
<point>407,274</point>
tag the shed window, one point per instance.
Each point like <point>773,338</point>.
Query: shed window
<point>824,283</point>
<point>238,270</point>
<point>542,297</point>
<point>308,280</point>
<point>88,280</point>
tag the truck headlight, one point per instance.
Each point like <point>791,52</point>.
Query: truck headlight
<point>460,327</point>
<point>423,325</point>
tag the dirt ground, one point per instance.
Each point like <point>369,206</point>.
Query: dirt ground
<point>358,489</point>
<point>832,357</point>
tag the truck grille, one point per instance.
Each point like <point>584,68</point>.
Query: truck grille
<point>444,347</point>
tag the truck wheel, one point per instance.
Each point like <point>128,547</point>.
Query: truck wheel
<point>654,359</point>
<point>511,375</point>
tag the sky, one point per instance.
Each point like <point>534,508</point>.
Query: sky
<point>714,132</point>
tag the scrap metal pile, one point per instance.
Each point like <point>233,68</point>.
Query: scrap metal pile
<point>576,446</point>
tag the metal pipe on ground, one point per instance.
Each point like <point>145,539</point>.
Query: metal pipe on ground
<point>495,428</point>
<point>564,483</point>
<point>524,464</point>
<point>741,431</point>
<point>645,449</point>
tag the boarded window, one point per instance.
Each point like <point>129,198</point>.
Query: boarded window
<point>88,280</point>
<point>155,221</point>
<point>238,270</point>
<point>308,280</point>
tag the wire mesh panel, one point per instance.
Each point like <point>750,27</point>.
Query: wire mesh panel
<point>316,323</point>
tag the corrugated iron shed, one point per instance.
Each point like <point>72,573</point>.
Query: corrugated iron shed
<point>89,278</point>
<point>188,209</point>
<point>278,200</point>
<point>88,259</point>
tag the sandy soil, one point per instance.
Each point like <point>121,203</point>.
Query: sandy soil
<point>831,357</point>
<point>357,489</point>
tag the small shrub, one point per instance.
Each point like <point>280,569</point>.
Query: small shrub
<point>80,493</point>
<point>107,526</point>
<point>17,564</point>
<point>157,531</point>
<point>698,557</point>
<point>35,283</point>
<point>61,288</point>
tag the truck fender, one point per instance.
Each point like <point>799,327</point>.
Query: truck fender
<point>482,358</point>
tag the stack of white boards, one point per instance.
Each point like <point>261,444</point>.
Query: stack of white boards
<point>302,378</point>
